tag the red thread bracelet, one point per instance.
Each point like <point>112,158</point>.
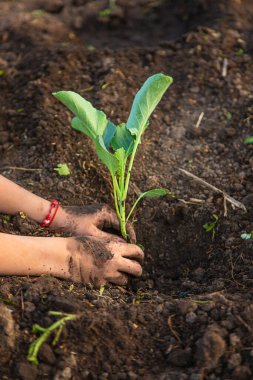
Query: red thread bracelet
<point>51,214</point>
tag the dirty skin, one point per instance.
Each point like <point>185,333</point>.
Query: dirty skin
<point>83,250</point>
<point>84,210</point>
<point>81,211</point>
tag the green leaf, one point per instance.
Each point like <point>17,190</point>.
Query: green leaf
<point>246,236</point>
<point>109,133</point>
<point>229,116</point>
<point>62,169</point>
<point>105,12</point>
<point>145,102</point>
<point>151,194</point>
<point>123,139</point>
<point>248,140</point>
<point>78,125</point>
<point>209,226</point>
<point>105,156</point>
<point>91,121</point>
<point>155,193</point>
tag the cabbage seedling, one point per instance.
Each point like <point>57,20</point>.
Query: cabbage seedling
<point>116,146</point>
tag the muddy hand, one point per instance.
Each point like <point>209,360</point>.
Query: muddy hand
<point>98,262</point>
<point>91,220</point>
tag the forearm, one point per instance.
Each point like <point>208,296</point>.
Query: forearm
<point>14,198</point>
<point>26,255</point>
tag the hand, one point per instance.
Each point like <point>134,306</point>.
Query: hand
<point>98,262</point>
<point>90,221</point>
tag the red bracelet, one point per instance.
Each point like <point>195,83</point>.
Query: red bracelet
<point>51,214</point>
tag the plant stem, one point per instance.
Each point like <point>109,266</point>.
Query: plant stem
<point>134,205</point>
<point>137,141</point>
<point>115,195</point>
<point>123,220</point>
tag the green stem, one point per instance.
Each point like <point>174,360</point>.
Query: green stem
<point>115,195</point>
<point>137,141</point>
<point>134,205</point>
<point>123,220</point>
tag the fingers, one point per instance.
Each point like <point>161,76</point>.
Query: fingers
<point>108,237</point>
<point>121,279</point>
<point>130,251</point>
<point>109,219</point>
<point>131,233</point>
<point>130,267</point>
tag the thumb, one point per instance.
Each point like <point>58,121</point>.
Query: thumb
<point>107,236</point>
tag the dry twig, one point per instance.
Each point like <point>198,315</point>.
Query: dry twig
<point>224,68</point>
<point>199,120</point>
<point>18,168</point>
<point>170,324</point>
<point>227,198</point>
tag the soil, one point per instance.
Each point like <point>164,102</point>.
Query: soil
<point>190,315</point>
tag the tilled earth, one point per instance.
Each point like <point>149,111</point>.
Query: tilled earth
<point>190,316</point>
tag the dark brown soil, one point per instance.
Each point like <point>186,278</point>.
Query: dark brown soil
<point>190,315</point>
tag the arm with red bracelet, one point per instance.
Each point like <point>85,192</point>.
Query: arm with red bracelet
<point>74,258</point>
<point>87,220</point>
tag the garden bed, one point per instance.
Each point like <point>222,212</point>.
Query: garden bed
<point>190,315</point>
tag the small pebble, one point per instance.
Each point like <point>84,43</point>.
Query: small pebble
<point>191,317</point>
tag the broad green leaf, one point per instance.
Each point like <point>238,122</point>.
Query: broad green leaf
<point>248,140</point>
<point>105,156</point>
<point>62,169</point>
<point>109,133</point>
<point>93,121</point>
<point>123,139</point>
<point>145,102</point>
<point>151,194</point>
<point>78,125</point>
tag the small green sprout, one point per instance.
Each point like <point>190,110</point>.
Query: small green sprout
<point>38,13</point>
<point>142,297</point>
<point>71,288</point>
<point>247,236</point>
<point>2,72</point>
<point>248,140</point>
<point>240,52</point>
<point>101,290</point>
<point>107,11</point>
<point>212,225</point>
<point>62,169</point>
<point>6,219</point>
<point>229,116</point>
<point>105,85</point>
<point>46,332</point>
<point>116,146</point>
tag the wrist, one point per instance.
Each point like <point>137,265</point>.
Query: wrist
<point>61,220</point>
